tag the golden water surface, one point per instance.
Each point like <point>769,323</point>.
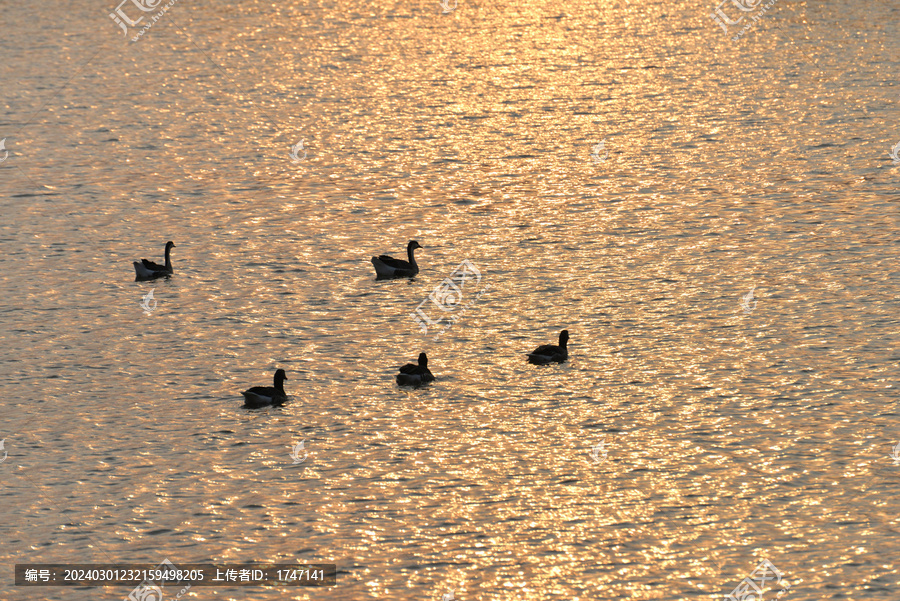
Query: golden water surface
<point>731,430</point>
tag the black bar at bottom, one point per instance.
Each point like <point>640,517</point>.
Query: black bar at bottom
<point>193,574</point>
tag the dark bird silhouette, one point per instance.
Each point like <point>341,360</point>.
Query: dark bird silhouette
<point>148,270</point>
<point>262,396</point>
<point>415,375</point>
<point>548,352</point>
<point>389,267</point>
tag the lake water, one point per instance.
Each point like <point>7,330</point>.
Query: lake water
<point>693,433</point>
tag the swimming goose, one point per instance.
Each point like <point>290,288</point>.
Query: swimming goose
<point>260,396</point>
<point>148,270</point>
<point>414,375</point>
<point>548,352</point>
<point>389,267</point>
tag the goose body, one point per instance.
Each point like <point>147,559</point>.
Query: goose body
<point>148,270</point>
<point>549,352</point>
<point>415,375</point>
<point>389,267</point>
<point>262,396</point>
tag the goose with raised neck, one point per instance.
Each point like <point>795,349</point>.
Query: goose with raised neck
<point>412,374</point>
<point>263,396</point>
<point>551,352</point>
<point>148,270</point>
<point>389,267</point>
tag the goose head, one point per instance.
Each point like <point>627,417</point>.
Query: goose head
<point>423,360</point>
<point>413,245</point>
<point>563,338</point>
<point>169,245</point>
<point>279,378</point>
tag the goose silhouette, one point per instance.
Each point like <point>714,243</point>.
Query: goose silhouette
<point>389,267</point>
<point>262,396</point>
<point>148,270</point>
<point>549,352</point>
<point>415,375</point>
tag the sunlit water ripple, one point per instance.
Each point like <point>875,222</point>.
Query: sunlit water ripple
<point>730,436</point>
